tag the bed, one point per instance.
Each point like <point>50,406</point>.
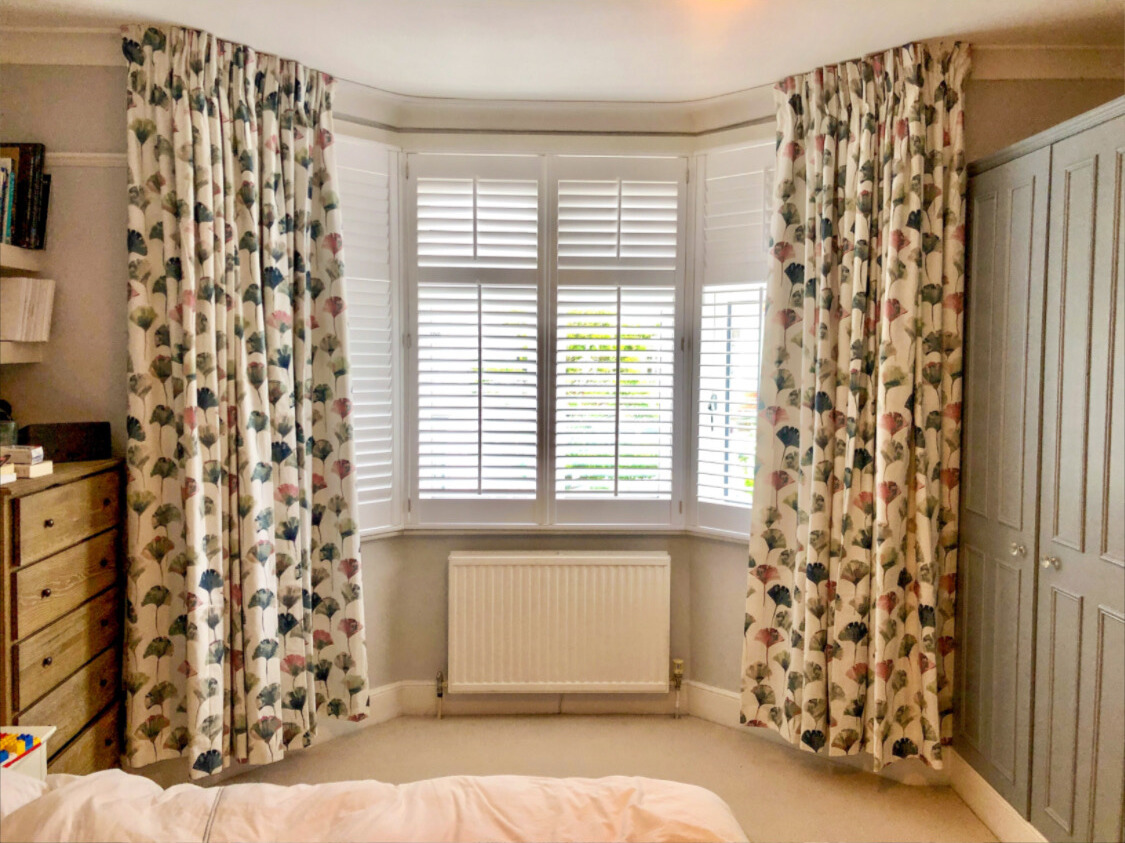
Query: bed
<point>114,805</point>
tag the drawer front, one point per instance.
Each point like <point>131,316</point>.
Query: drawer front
<point>65,515</point>
<point>96,748</point>
<point>49,589</point>
<point>49,656</point>
<point>78,700</point>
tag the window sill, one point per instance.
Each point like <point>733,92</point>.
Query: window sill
<point>553,530</point>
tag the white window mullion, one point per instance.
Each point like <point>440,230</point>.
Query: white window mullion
<point>548,283</point>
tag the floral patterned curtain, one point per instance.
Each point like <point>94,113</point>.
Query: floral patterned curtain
<point>244,611</point>
<point>853,551</point>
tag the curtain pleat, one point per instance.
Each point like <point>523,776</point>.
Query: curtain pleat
<point>244,604</point>
<point>853,551</point>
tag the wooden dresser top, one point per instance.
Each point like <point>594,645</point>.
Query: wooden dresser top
<point>65,472</point>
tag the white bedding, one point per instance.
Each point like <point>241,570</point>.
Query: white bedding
<point>113,805</point>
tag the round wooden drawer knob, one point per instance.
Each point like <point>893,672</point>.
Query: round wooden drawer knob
<point>50,522</point>
<point>105,622</point>
<point>45,593</point>
<point>102,682</point>
<point>47,662</point>
<point>106,502</point>
<point>109,741</point>
<point>104,563</point>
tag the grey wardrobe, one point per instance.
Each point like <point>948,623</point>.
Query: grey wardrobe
<point>1041,695</point>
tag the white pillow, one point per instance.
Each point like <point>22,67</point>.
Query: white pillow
<point>17,789</point>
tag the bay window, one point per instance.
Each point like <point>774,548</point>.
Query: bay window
<point>566,350</point>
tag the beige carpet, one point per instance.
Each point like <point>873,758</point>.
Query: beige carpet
<point>776,792</point>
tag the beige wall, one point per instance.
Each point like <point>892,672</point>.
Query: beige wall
<point>75,109</point>
<point>999,112</point>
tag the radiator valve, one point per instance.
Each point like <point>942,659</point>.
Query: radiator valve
<point>677,673</point>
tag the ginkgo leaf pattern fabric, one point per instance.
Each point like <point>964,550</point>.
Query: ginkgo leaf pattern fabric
<point>244,612</point>
<point>853,550</point>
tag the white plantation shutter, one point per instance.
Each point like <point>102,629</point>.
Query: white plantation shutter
<point>619,270</point>
<point>366,173</point>
<point>476,317</point>
<point>477,394</point>
<point>734,228</point>
<point>618,224</point>
<point>730,340</point>
<point>478,222</point>
<point>737,186</point>
<point>614,391</point>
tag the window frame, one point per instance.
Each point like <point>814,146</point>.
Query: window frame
<point>545,511</point>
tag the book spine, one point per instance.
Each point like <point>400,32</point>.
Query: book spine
<point>33,233</point>
<point>23,186</point>
<point>10,209</point>
<point>5,195</point>
<point>44,203</point>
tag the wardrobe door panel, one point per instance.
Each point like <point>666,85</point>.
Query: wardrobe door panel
<point>1004,319</point>
<point>1079,761</point>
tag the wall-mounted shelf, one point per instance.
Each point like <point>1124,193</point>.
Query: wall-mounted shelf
<point>21,352</point>
<point>16,261</point>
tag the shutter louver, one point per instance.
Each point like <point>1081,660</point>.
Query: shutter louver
<point>474,222</point>
<point>614,391</point>
<point>477,394</point>
<point>365,204</point>
<point>617,224</point>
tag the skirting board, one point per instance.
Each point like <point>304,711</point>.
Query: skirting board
<point>717,705</point>
<point>990,807</point>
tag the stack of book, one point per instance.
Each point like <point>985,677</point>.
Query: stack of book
<point>25,191</point>
<point>26,304</point>
<point>7,471</point>
<point>27,460</point>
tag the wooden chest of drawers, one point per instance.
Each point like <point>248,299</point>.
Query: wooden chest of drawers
<point>62,604</point>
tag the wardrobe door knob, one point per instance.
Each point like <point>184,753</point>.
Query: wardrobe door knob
<point>1017,549</point>
<point>45,593</point>
<point>47,662</point>
<point>50,522</point>
<point>1051,562</point>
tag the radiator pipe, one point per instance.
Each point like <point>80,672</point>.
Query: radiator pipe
<point>677,683</point>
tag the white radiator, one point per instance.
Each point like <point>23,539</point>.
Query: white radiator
<point>558,622</point>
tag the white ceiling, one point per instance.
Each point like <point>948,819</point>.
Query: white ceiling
<point>591,50</point>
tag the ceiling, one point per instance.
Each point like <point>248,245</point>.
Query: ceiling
<point>588,50</point>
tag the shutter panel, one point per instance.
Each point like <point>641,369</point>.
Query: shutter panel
<point>365,178</point>
<point>477,393</point>
<point>730,343</point>
<point>474,222</point>
<point>614,391</point>
<point>736,207</point>
<point>618,224</point>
